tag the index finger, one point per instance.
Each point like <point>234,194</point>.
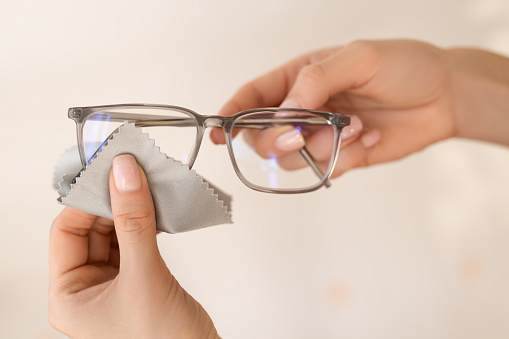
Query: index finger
<point>268,90</point>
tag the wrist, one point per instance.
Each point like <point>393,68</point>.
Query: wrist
<point>480,90</point>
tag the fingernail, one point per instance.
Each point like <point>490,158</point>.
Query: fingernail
<point>369,139</point>
<point>353,129</point>
<point>290,103</point>
<point>289,141</point>
<point>126,173</point>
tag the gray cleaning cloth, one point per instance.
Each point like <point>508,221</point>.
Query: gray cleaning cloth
<point>183,200</point>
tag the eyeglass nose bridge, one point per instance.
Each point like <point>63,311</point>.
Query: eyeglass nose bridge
<point>205,121</point>
<point>213,121</point>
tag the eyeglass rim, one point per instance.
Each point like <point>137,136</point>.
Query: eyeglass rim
<point>337,125</point>
<point>338,121</point>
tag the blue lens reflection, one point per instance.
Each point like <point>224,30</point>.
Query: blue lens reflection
<point>273,166</point>
<point>97,133</point>
<point>93,146</point>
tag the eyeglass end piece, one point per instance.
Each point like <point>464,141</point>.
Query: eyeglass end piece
<point>74,113</point>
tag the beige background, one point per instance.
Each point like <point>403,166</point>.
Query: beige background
<point>412,249</point>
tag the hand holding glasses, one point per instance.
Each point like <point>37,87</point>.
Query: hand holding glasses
<point>258,140</point>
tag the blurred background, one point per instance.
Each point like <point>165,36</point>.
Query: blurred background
<point>412,249</point>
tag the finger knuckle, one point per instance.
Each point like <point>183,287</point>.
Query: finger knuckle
<point>366,51</point>
<point>253,88</point>
<point>313,73</point>
<point>361,45</point>
<point>134,219</point>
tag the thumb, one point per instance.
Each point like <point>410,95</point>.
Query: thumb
<point>349,68</point>
<point>133,215</point>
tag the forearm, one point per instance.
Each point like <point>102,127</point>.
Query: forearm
<point>480,86</point>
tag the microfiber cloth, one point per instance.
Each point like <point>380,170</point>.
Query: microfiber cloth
<point>183,200</point>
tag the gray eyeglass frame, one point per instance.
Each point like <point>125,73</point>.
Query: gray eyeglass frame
<point>338,121</point>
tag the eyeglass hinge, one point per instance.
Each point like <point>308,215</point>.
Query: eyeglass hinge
<point>75,113</point>
<point>343,119</point>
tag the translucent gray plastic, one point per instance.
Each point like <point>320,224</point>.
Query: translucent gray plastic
<point>201,122</point>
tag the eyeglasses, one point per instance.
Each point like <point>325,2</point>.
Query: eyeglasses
<point>253,138</point>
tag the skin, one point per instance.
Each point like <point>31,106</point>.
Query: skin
<point>94,294</point>
<point>407,94</point>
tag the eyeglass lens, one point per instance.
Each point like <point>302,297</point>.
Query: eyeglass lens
<point>174,132</point>
<point>268,148</point>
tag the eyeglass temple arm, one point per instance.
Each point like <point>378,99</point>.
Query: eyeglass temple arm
<point>312,163</point>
